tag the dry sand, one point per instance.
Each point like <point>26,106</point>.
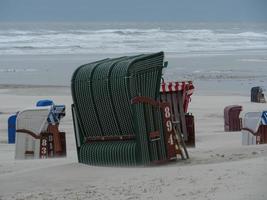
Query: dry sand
<point>219,167</point>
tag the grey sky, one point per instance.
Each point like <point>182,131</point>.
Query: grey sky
<point>133,10</point>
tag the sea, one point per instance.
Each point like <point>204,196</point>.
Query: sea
<point>207,53</point>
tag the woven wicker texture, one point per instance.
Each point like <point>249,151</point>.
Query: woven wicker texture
<point>102,93</point>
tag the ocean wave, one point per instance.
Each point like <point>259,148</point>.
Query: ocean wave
<point>254,60</point>
<point>253,34</point>
<point>16,70</point>
<point>220,75</point>
<point>129,40</point>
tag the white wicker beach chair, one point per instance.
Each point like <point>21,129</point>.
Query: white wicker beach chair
<point>30,123</point>
<point>251,122</point>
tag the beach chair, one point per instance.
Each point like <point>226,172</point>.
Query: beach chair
<point>178,94</point>
<point>232,122</point>
<point>257,95</point>
<point>117,117</point>
<point>254,130</point>
<point>37,136</point>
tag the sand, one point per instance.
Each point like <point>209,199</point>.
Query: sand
<point>219,167</point>
<point>213,73</point>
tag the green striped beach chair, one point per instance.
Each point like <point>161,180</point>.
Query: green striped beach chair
<point>117,118</point>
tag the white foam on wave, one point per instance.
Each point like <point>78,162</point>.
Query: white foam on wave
<point>16,70</point>
<point>252,34</point>
<point>128,41</point>
<point>254,60</point>
<point>220,71</point>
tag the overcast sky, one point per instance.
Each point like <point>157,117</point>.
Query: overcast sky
<point>133,10</point>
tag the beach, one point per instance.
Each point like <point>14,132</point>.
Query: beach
<point>223,60</point>
<point>219,167</point>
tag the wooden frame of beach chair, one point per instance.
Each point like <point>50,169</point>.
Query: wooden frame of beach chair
<point>178,94</point>
<point>172,139</point>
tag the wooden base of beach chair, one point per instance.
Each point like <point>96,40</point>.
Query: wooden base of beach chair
<point>32,146</point>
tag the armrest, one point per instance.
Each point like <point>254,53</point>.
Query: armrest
<point>249,130</point>
<point>34,135</point>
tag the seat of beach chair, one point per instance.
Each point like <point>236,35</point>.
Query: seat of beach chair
<point>110,129</point>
